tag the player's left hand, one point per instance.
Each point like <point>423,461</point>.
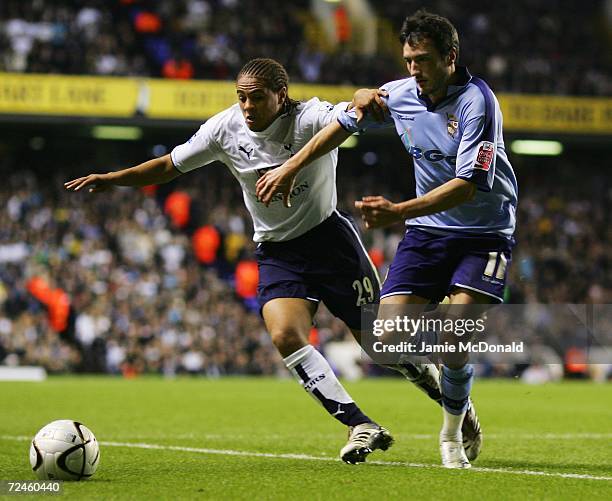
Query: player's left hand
<point>378,212</point>
<point>279,180</point>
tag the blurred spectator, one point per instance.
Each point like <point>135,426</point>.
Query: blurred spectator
<point>528,46</point>
<point>178,67</point>
<point>143,301</point>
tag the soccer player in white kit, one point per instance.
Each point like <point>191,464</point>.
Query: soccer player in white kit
<point>307,253</point>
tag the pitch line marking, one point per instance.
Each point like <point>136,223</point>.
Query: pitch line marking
<point>407,436</point>
<point>523,436</point>
<point>229,452</point>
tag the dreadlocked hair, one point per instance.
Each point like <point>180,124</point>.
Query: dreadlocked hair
<point>272,74</point>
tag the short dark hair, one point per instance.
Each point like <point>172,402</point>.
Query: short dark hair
<point>423,24</point>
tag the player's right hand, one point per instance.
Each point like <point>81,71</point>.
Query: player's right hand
<point>369,101</point>
<point>96,183</point>
<point>279,180</point>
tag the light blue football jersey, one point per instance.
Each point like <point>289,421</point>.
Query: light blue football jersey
<point>461,136</point>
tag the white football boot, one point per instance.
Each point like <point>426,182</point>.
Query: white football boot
<point>426,377</point>
<point>364,439</point>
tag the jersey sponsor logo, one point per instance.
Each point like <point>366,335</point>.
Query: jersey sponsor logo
<point>431,155</point>
<point>247,152</point>
<point>452,124</point>
<point>261,172</point>
<point>484,158</point>
<point>295,192</point>
<point>405,117</point>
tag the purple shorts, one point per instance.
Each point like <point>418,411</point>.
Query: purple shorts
<point>432,266</point>
<point>327,263</point>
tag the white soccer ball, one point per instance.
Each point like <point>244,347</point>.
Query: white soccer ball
<point>64,450</point>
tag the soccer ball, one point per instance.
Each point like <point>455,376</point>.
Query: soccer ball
<point>64,450</point>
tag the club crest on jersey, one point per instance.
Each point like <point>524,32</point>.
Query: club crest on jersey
<point>289,148</point>
<point>452,124</point>
<point>484,159</point>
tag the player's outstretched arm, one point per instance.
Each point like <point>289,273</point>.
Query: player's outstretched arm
<point>281,179</point>
<point>378,212</point>
<point>156,171</point>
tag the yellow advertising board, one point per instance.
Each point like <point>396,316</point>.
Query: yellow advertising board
<point>67,95</point>
<point>188,99</point>
<point>332,93</point>
<point>565,115</point>
<point>198,100</point>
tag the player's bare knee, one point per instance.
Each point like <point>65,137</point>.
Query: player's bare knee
<point>287,340</point>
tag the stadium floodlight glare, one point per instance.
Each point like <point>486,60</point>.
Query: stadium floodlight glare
<point>350,142</point>
<point>536,147</point>
<point>116,132</point>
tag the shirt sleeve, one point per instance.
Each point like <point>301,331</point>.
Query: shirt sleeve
<point>322,114</point>
<point>348,119</point>
<point>478,147</point>
<point>201,149</point>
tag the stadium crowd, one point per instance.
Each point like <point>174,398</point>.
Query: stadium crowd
<point>528,46</point>
<point>114,283</point>
<point>140,300</point>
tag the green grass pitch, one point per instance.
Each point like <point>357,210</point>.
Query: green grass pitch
<point>256,438</point>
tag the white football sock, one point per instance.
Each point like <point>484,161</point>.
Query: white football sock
<point>314,373</point>
<point>451,429</point>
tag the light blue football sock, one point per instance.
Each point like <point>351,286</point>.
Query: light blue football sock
<point>456,385</point>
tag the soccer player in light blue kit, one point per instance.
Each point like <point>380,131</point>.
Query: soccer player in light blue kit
<point>459,227</point>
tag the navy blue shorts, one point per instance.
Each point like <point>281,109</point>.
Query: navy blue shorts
<point>327,263</point>
<point>432,266</point>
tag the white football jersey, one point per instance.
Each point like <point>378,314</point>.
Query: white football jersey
<point>226,137</point>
